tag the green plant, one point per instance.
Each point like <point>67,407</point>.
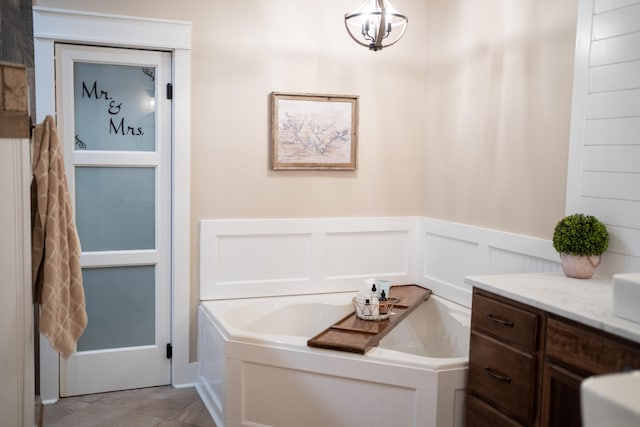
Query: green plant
<point>580,234</point>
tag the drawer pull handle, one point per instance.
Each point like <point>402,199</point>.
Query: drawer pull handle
<point>497,376</point>
<point>500,321</point>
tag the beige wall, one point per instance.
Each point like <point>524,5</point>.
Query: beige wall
<point>465,119</point>
<point>244,50</point>
<point>499,77</point>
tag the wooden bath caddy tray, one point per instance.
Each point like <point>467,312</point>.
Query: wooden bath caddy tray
<point>357,335</point>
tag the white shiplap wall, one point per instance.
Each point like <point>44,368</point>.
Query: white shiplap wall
<point>604,159</point>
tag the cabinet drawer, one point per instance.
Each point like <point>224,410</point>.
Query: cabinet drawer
<point>589,350</point>
<point>507,323</point>
<point>480,414</point>
<point>502,375</point>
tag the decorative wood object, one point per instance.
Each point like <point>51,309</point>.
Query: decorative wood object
<point>14,115</point>
<point>16,41</point>
<point>356,335</point>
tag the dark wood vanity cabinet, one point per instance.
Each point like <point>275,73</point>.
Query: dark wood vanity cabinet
<point>561,397</point>
<point>504,361</point>
<point>526,365</point>
<point>574,352</point>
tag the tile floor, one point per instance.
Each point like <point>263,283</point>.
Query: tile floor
<point>156,406</point>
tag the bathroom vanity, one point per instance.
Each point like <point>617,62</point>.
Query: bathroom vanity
<point>534,338</point>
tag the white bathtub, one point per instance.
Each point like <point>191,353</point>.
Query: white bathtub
<point>256,369</point>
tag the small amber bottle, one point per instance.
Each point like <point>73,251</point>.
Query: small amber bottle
<point>383,303</point>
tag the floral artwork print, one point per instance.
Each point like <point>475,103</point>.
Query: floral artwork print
<point>313,134</point>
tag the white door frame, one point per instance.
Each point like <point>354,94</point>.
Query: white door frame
<point>59,25</point>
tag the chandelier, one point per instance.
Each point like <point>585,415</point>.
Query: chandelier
<point>375,24</point>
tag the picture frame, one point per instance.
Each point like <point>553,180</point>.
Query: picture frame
<point>314,131</point>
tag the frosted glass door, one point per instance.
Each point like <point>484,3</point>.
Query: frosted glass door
<point>117,321</point>
<point>115,206</point>
<point>114,107</point>
<point>117,139</point>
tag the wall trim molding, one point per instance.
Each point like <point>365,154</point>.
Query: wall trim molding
<point>66,25</point>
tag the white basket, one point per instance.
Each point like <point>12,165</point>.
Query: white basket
<point>371,311</point>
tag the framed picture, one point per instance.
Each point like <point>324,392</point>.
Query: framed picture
<point>313,132</point>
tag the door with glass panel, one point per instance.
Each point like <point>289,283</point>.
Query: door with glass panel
<point>114,121</point>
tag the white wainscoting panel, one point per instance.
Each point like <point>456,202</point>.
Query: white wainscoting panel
<point>452,251</point>
<point>447,260</point>
<point>502,261</point>
<point>314,399</point>
<point>369,254</point>
<point>265,257</point>
<point>292,260</point>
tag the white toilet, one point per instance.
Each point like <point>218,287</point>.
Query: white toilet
<point>611,400</point>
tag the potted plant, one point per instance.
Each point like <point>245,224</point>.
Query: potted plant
<point>580,240</point>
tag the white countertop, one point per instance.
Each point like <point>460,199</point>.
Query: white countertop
<point>588,301</point>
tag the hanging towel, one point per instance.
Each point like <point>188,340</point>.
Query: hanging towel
<point>56,273</point>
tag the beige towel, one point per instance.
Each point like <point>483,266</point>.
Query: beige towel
<point>56,273</point>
